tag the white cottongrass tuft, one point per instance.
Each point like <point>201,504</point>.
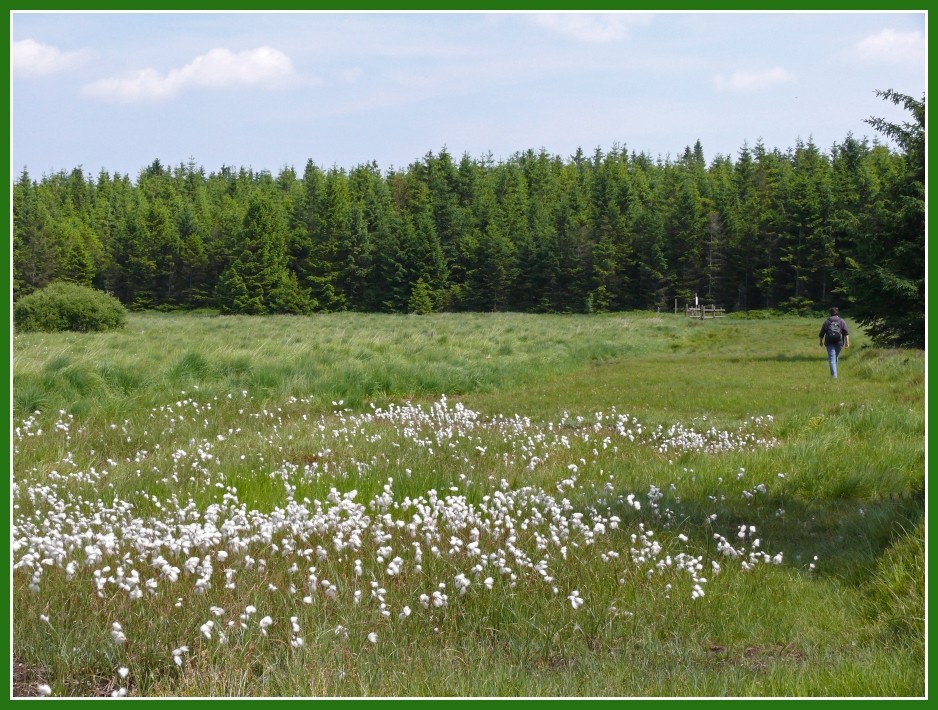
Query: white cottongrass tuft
<point>515,534</point>
<point>178,653</point>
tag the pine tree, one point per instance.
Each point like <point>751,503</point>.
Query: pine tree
<point>423,251</point>
<point>805,246</point>
<point>257,281</point>
<point>77,265</point>
<point>33,253</point>
<point>421,299</point>
<point>328,252</point>
<point>378,259</point>
<point>887,271</point>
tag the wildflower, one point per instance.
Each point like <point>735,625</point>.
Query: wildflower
<point>44,690</point>
<point>117,633</point>
<point>462,584</point>
<point>178,653</point>
<point>206,629</point>
<point>576,601</point>
<point>119,693</point>
<point>265,623</point>
<point>373,637</point>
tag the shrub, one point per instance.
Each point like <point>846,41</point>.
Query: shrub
<point>67,306</point>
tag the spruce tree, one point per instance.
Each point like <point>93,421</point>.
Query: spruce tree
<point>886,273</point>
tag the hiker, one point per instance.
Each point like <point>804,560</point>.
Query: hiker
<point>834,335</point>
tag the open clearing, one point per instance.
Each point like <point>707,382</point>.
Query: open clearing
<point>466,505</point>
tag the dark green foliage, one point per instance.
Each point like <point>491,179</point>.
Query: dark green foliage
<point>257,281</point>
<point>420,301</point>
<point>798,230</point>
<point>887,268</point>
<point>67,306</point>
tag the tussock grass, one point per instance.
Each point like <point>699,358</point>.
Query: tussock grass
<point>177,412</point>
<point>897,595</point>
<point>357,358</point>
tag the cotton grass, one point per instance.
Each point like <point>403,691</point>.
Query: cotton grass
<point>252,533</point>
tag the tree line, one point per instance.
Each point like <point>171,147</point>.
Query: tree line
<point>798,230</point>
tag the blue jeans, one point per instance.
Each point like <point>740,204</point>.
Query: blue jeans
<point>833,355</point>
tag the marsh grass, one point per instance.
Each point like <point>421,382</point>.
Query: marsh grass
<point>357,358</point>
<point>277,408</point>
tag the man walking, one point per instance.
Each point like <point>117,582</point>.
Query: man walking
<point>833,336</point>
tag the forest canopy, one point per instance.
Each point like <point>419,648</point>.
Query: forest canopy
<point>796,230</point>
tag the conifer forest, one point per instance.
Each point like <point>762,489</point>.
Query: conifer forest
<point>796,229</point>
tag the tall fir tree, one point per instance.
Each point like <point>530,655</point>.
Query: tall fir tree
<point>258,281</point>
<point>887,271</point>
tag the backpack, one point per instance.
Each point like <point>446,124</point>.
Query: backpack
<point>834,333</point>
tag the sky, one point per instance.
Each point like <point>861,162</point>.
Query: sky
<point>115,91</point>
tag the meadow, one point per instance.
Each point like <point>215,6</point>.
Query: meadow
<point>466,505</point>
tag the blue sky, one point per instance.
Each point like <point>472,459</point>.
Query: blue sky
<point>265,90</point>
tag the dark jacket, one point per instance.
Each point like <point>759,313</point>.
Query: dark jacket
<point>827,324</point>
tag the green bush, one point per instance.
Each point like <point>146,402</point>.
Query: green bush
<point>67,306</point>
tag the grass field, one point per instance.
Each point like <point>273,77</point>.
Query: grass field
<point>466,505</point>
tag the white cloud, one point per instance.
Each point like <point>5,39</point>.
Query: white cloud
<point>742,80</point>
<point>217,69</point>
<point>32,58</point>
<point>892,46</point>
<point>592,27</point>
